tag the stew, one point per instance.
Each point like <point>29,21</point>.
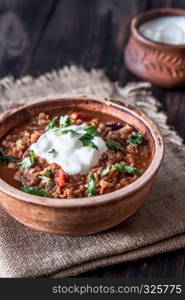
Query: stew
<point>73,155</point>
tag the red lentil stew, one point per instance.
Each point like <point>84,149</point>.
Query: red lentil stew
<point>124,156</point>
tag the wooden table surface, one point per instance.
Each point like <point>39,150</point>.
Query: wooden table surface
<point>38,36</point>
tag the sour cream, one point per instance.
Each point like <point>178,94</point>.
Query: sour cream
<point>167,30</point>
<point>68,151</point>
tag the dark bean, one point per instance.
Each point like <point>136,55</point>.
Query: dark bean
<point>115,126</point>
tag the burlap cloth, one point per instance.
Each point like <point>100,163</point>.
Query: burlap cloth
<point>158,226</point>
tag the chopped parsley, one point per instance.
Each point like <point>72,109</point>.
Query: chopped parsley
<point>69,130</point>
<point>66,131</point>
<point>52,151</point>
<point>5,159</point>
<point>34,190</point>
<point>127,169</point>
<point>92,130</point>
<point>65,121</point>
<point>105,171</point>
<point>32,153</point>
<point>47,180</point>
<point>87,137</point>
<point>47,173</point>
<point>87,141</point>
<point>27,162</point>
<point>137,138</point>
<point>53,123</point>
<point>113,145</point>
<point>91,186</point>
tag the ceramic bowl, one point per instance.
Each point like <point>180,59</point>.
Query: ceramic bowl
<point>81,216</point>
<point>161,64</point>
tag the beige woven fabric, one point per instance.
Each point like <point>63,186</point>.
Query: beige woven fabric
<point>158,226</point>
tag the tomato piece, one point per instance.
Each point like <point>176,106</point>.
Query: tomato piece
<point>81,116</point>
<point>62,178</point>
<point>56,166</point>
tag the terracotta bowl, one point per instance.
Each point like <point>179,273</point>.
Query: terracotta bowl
<point>83,215</point>
<point>161,64</point>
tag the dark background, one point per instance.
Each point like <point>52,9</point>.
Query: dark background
<point>37,36</point>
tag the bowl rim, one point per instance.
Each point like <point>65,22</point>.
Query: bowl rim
<point>162,12</point>
<point>119,194</point>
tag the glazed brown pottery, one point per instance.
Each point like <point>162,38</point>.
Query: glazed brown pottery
<point>161,64</point>
<point>83,215</point>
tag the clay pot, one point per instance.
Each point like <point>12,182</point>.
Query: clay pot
<point>85,215</point>
<point>161,64</point>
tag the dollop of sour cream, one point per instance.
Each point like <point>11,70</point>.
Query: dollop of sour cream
<point>68,151</point>
<point>167,30</point>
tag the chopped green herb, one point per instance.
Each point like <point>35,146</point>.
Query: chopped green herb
<point>52,151</point>
<point>87,137</point>
<point>46,179</point>
<point>69,130</point>
<point>5,159</point>
<point>137,138</point>
<point>65,121</point>
<point>47,173</point>
<point>34,190</point>
<point>62,132</point>
<point>105,171</point>
<point>53,123</point>
<point>87,142</point>
<point>32,153</point>
<point>92,130</point>
<point>27,162</point>
<point>127,169</point>
<point>91,185</point>
<point>113,145</point>
<point>57,131</point>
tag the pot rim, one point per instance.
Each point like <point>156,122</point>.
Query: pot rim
<point>132,188</point>
<point>140,18</point>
